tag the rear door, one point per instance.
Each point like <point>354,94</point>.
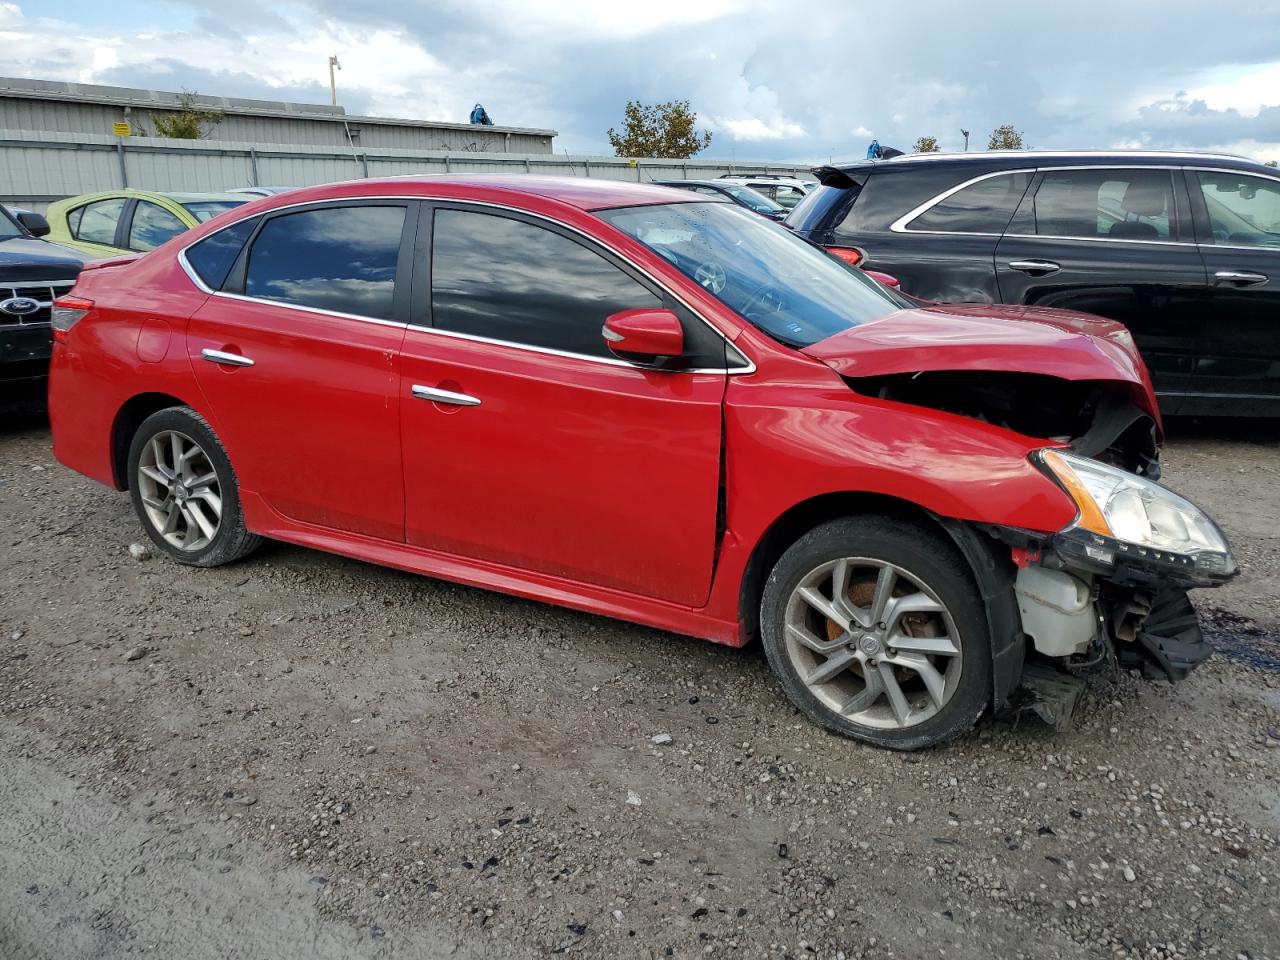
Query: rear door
<point>1237,365</point>
<point>527,444</point>
<point>1117,242</point>
<point>296,356</point>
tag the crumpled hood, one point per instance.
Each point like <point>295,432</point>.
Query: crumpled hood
<point>1055,343</point>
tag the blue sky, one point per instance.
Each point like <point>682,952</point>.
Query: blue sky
<point>769,80</point>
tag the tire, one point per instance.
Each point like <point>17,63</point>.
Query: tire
<point>930,639</point>
<point>192,514</point>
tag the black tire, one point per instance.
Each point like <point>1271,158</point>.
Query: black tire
<point>926,555</point>
<point>232,540</point>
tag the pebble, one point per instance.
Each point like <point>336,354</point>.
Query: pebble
<point>1129,875</point>
<point>369,750</point>
<point>633,798</point>
<point>136,653</point>
<point>139,552</point>
<point>660,739</point>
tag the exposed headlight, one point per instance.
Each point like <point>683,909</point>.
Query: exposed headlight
<point>1134,516</point>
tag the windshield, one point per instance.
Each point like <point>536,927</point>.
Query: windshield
<point>204,210</point>
<point>753,199</point>
<point>790,289</point>
<point>8,228</point>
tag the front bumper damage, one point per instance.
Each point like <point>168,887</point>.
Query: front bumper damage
<point>1085,602</point>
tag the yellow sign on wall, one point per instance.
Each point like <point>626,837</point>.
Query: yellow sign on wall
<point>120,128</point>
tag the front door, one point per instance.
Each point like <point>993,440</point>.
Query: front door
<point>1115,242</point>
<point>297,360</point>
<point>527,444</point>
<point>1237,368</point>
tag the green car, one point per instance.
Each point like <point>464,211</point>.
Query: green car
<point>131,221</point>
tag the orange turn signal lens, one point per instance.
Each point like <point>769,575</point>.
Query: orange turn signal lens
<point>1090,517</point>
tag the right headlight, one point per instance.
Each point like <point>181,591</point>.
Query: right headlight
<point>1136,517</point>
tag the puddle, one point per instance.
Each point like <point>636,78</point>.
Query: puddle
<point>1242,639</point>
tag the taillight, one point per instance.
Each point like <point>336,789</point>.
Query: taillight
<point>67,312</point>
<point>850,255</point>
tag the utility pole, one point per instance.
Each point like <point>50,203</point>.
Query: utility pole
<point>333,84</point>
<point>966,138</point>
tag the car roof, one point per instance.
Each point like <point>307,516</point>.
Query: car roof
<point>1033,157</point>
<point>197,197</point>
<point>585,193</point>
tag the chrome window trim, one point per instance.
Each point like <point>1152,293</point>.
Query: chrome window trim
<point>900,225</point>
<point>204,288</point>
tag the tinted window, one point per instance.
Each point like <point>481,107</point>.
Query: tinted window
<point>1243,211</point>
<point>97,221</point>
<point>510,280</point>
<point>1119,204</point>
<point>152,225</point>
<point>341,259</point>
<point>213,256</point>
<point>982,207</point>
<point>787,287</point>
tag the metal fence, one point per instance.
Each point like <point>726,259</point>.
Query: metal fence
<point>37,168</point>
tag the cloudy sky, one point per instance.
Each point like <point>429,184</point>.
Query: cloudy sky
<point>772,80</point>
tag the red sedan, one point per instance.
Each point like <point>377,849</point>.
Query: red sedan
<point>631,401</point>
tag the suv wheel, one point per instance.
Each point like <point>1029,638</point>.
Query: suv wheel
<point>876,631</point>
<point>185,492</point>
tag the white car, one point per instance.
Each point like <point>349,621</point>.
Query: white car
<point>787,191</point>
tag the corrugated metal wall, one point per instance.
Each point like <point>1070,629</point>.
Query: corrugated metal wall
<point>39,167</point>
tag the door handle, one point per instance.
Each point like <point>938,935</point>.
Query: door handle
<point>436,395</point>
<point>1245,277</point>
<point>226,359</point>
<point>1042,267</point>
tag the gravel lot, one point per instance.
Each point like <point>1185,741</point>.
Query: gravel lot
<point>305,756</point>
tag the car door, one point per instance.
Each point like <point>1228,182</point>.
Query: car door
<point>1117,242</point>
<point>526,443</point>
<point>1237,366</point>
<point>150,225</point>
<point>296,356</point>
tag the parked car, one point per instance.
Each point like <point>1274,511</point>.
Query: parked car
<point>632,401</point>
<point>33,272</point>
<point>734,193</point>
<point>260,191</point>
<point>783,190</point>
<point>132,221</point>
<point>1183,249</point>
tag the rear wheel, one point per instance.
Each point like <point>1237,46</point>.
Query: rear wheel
<point>876,631</point>
<point>185,492</point>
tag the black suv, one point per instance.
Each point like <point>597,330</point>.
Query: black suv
<point>1184,249</point>
<point>32,273</point>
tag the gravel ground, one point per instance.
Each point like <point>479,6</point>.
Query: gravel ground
<point>302,755</point>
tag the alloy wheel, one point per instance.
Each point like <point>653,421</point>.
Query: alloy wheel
<point>180,490</point>
<point>873,643</point>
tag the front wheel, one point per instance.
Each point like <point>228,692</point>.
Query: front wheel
<point>876,631</point>
<point>185,492</point>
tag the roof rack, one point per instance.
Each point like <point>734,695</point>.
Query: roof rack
<point>759,176</point>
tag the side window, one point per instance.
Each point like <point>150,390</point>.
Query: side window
<point>505,279</point>
<point>97,221</point>
<point>152,225</point>
<point>73,221</point>
<point>1119,204</point>
<point>213,256</point>
<point>982,207</point>
<point>1244,211</point>
<point>341,259</point>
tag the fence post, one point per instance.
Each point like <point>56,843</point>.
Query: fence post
<point>124,176</point>
<point>253,166</point>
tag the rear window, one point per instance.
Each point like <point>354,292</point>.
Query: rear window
<point>982,207</point>
<point>204,210</point>
<point>213,256</point>
<point>814,206</point>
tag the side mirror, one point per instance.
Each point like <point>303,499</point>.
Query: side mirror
<point>34,222</point>
<point>644,335</point>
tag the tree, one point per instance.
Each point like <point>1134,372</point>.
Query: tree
<point>1006,138</point>
<point>926,145</point>
<point>659,130</point>
<point>189,122</point>
<point>1272,163</point>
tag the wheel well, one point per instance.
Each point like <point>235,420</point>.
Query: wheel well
<point>798,521</point>
<point>128,419</point>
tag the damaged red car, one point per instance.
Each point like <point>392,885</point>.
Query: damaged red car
<point>632,401</point>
